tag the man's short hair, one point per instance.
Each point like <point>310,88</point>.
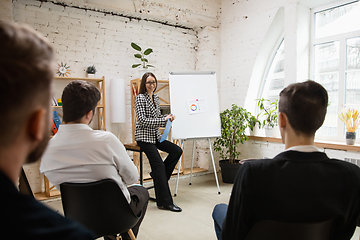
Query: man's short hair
<point>305,106</point>
<point>26,74</point>
<point>78,98</point>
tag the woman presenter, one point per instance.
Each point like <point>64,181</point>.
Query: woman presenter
<point>147,136</point>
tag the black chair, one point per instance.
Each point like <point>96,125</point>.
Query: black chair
<point>100,206</point>
<point>273,230</point>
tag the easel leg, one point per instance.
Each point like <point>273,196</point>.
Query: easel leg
<point>178,173</point>
<point>213,162</point>
<point>192,162</point>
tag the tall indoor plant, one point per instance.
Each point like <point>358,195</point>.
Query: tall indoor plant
<point>234,122</point>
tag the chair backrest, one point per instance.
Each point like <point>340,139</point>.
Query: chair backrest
<point>100,206</point>
<point>273,230</point>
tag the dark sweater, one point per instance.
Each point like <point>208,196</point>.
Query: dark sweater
<point>294,187</point>
<point>25,218</point>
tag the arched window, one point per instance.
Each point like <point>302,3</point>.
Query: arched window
<point>273,82</point>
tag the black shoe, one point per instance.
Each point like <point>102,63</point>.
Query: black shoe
<point>171,207</point>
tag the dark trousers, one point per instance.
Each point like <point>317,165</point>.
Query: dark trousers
<point>161,170</point>
<point>139,202</point>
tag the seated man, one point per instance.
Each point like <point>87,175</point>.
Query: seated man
<point>300,184</point>
<point>26,75</point>
<point>78,153</point>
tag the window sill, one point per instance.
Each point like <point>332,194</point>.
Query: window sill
<point>320,144</point>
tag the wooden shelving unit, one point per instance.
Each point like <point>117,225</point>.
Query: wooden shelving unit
<point>61,82</point>
<point>100,124</point>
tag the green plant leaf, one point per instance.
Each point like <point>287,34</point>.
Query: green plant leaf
<point>135,46</point>
<point>234,122</point>
<point>149,65</point>
<point>148,51</point>
<point>144,60</point>
<point>137,55</point>
<point>135,65</point>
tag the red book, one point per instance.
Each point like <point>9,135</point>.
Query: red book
<point>53,127</point>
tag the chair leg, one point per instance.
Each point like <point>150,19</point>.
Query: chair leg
<point>131,234</point>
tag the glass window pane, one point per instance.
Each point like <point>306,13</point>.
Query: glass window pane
<point>274,81</point>
<point>338,20</point>
<point>327,74</point>
<point>352,83</point>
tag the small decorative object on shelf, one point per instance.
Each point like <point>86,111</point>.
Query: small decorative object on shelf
<point>351,119</point>
<point>91,70</point>
<point>63,70</point>
<point>350,138</point>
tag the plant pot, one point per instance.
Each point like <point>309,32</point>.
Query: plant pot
<point>255,131</point>
<point>91,75</point>
<point>229,170</point>
<point>271,132</point>
<point>268,131</point>
<point>350,138</point>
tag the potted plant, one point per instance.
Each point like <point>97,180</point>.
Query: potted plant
<point>91,70</point>
<point>253,123</point>
<point>144,65</point>
<point>234,123</point>
<point>351,119</point>
<point>268,112</point>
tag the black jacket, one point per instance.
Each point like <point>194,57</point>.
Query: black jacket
<point>294,187</point>
<point>25,218</point>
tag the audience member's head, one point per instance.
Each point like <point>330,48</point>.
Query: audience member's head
<point>26,74</point>
<point>305,106</point>
<point>78,98</point>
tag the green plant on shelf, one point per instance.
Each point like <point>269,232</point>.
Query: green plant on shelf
<point>91,70</point>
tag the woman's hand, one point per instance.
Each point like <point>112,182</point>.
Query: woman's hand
<point>171,117</point>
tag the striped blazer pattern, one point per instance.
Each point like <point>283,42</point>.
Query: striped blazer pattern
<point>149,118</point>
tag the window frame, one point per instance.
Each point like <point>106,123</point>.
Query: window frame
<point>342,38</point>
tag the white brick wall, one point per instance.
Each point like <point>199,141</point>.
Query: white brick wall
<point>243,27</point>
<point>6,13</point>
<point>261,149</point>
<point>82,38</point>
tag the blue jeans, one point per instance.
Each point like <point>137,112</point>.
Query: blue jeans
<point>219,214</point>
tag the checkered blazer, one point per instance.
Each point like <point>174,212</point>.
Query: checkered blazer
<point>149,118</point>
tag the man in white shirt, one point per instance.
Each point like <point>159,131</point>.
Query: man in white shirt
<point>78,153</point>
